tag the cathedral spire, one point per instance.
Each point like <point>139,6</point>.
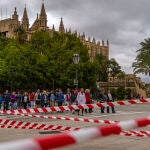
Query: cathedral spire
<point>75,33</point>
<point>53,28</point>
<point>43,12</point>
<point>43,17</point>
<point>107,43</point>
<point>103,43</point>
<point>15,15</point>
<point>69,30</point>
<point>83,35</point>
<point>25,20</point>
<point>37,16</point>
<point>61,27</point>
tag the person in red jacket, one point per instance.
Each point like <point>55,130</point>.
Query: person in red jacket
<point>32,99</point>
<point>88,99</point>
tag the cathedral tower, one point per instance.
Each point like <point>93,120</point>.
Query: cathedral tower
<point>15,15</point>
<point>61,27</point>
<point>14,22</point>
<point>43,17</point>
<point>25,20</point>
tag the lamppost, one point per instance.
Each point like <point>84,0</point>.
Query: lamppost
<point>76,59</point>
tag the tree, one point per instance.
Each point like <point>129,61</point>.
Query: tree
<point>103,68</point>
<point>115,69</point>
<point>45,61</point>
<point>121,75</point>
<point>142,63</point>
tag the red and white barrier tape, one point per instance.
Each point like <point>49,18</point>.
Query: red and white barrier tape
<point>61,128</point>
<point>66,118</point>
<point>74,137</point>
<point>136,133</point>
<point>75,107</point>
<point>32,125</point>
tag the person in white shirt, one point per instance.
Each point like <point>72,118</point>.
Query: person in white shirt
<point>81,99</point>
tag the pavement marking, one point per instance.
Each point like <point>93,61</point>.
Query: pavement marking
<point>116,114</point>
<point>96,115</point>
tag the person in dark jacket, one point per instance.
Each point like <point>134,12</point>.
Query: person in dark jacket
<point>44,99</point>
<point>110,99</point>
<point>1,100</point>
<point>25,100</point>
<point>6,97</point>
<point>60,98</point>
<point>19,100</point>
<point>102,97</point>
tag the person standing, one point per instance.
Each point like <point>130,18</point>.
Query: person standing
<point>73,99</point>
<point>25,100</point>
<point>1,100</point>
<point>110,99</point>
<point>19,100</point>
<point>102,98</point>
<point>44,99</point>
<point>6,100</point>
<point>52,99</point>
<point>32,99</point>
<point>38,96</point>
<point>81,99</point>
<point>88,99</point>
<point>13,101</point>
<point>68,97</point>
<point>60,98</point>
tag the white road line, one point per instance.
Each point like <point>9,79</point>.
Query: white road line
<point>98,115</point>
<point>116,114</point>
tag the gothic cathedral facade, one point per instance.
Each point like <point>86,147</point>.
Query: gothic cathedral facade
<point>8,26</point>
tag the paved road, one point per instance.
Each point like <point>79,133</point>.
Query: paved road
<point>107,143</point>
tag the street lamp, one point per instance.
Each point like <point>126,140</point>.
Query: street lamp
<point>76,59</point>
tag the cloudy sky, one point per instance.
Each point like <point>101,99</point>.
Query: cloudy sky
<point>125,23</point>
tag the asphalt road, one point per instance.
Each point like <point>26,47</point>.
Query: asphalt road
<point>107,143</point>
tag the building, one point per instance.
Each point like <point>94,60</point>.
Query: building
<point>128,81</point>
<point>9,25</point>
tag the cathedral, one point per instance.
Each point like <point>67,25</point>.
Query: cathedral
<point>8,26</point>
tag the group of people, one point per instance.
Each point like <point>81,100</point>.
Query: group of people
<point>45,98</point>
<point>105,96</point>
<point>86,98</point>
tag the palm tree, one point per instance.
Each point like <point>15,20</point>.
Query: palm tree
<point>20,34</point>
<point>142,64</point>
